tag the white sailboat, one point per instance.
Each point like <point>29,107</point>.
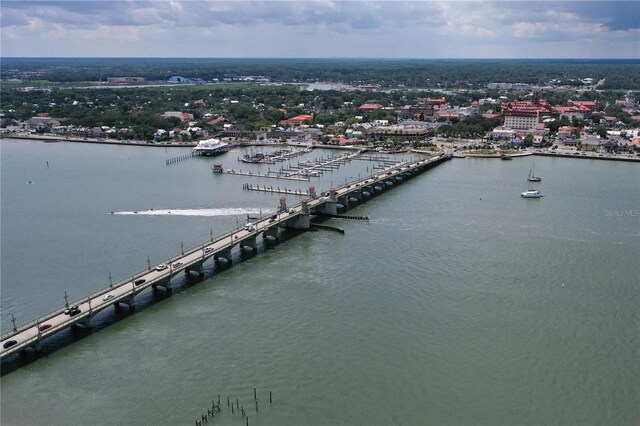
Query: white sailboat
<point>530,192</point>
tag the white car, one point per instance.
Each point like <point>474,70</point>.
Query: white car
<point>107,297</point>
<point>161,267</point>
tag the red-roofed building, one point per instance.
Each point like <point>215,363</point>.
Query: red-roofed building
<point>299,119</point>
<point>370,107</point>
<point>567,131</point>
<point>635,117</point>
<point>342,141</point>
<point>521,106</point>
<point>43,114</point>
<point>432,101</point>
<point>448,115</point>
<point>367,86</point>
<point>590,105</point>
<point>216,121</point>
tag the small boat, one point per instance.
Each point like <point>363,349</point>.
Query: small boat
<point>504,156</point>
<point>255,158</point>
<point>532,177</point>
<point>531,193</point>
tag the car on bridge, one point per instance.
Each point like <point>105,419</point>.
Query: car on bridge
<point>140,281</point>
<point>207,250</point>
<point>161,267</point>
<point>178,264</point>
<point>44,327</point>
<point>107,297</point>
<point>9,343</point>
<point>69,309</point>
<point>73,311</point>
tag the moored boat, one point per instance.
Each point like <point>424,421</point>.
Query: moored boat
<point>531,193</point>
<point>532,177</point>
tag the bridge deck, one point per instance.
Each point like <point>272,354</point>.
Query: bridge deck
<point>28,334</point>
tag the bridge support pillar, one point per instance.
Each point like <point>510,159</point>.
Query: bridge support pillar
<point>196,267</point>
<point>330,207</point>
<point>129,301</point>
<point>273,232</point>
<point>302,221</point>
<point>224,254</point>
<point>166,284</point>
<point>249,242</point>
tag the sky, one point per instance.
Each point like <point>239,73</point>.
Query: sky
<point>320,29</point>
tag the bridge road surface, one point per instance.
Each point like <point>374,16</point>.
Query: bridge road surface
<point>28,334</point>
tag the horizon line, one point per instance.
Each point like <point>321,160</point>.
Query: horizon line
<point>316,58</point>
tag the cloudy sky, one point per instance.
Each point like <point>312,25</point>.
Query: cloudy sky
<point>319,29</point>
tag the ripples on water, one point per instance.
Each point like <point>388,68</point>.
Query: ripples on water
<point>447,308</point>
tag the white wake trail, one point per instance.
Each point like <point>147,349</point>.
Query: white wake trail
<point>196,212</point>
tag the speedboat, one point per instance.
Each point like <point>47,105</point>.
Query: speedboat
<point>531,193</point>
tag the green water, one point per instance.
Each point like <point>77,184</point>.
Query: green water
<point>459,303</point>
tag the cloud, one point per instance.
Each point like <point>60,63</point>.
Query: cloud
<point>318,28</point>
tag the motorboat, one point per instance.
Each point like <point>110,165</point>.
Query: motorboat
<point>531,193</point>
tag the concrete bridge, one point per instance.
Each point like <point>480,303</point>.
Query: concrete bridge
<point>81,311</point>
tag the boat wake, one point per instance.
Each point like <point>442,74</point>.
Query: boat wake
<point>197,212</point>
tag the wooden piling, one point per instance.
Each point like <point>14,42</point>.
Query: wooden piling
<point>270,400</point>
<point>254,394</point>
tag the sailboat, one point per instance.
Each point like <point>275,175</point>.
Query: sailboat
<point>532,177</point>
<point>531,193</point>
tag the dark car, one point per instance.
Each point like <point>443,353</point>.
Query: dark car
<point>44,327</point>
<point>140,281</point>
<point>71,309</point>
<point>275,216</point>
<point>74,311</point>
<point>9,343</point>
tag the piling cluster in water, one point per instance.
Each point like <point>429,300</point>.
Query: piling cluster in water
<point>237,407</point>
<point>180,158</point>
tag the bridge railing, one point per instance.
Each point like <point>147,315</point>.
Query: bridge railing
<point>109,287</point>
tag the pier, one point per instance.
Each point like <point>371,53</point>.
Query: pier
<point>80,312</point>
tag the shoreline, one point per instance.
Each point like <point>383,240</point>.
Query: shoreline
<point>55,139</point>
<point>461,155</point>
